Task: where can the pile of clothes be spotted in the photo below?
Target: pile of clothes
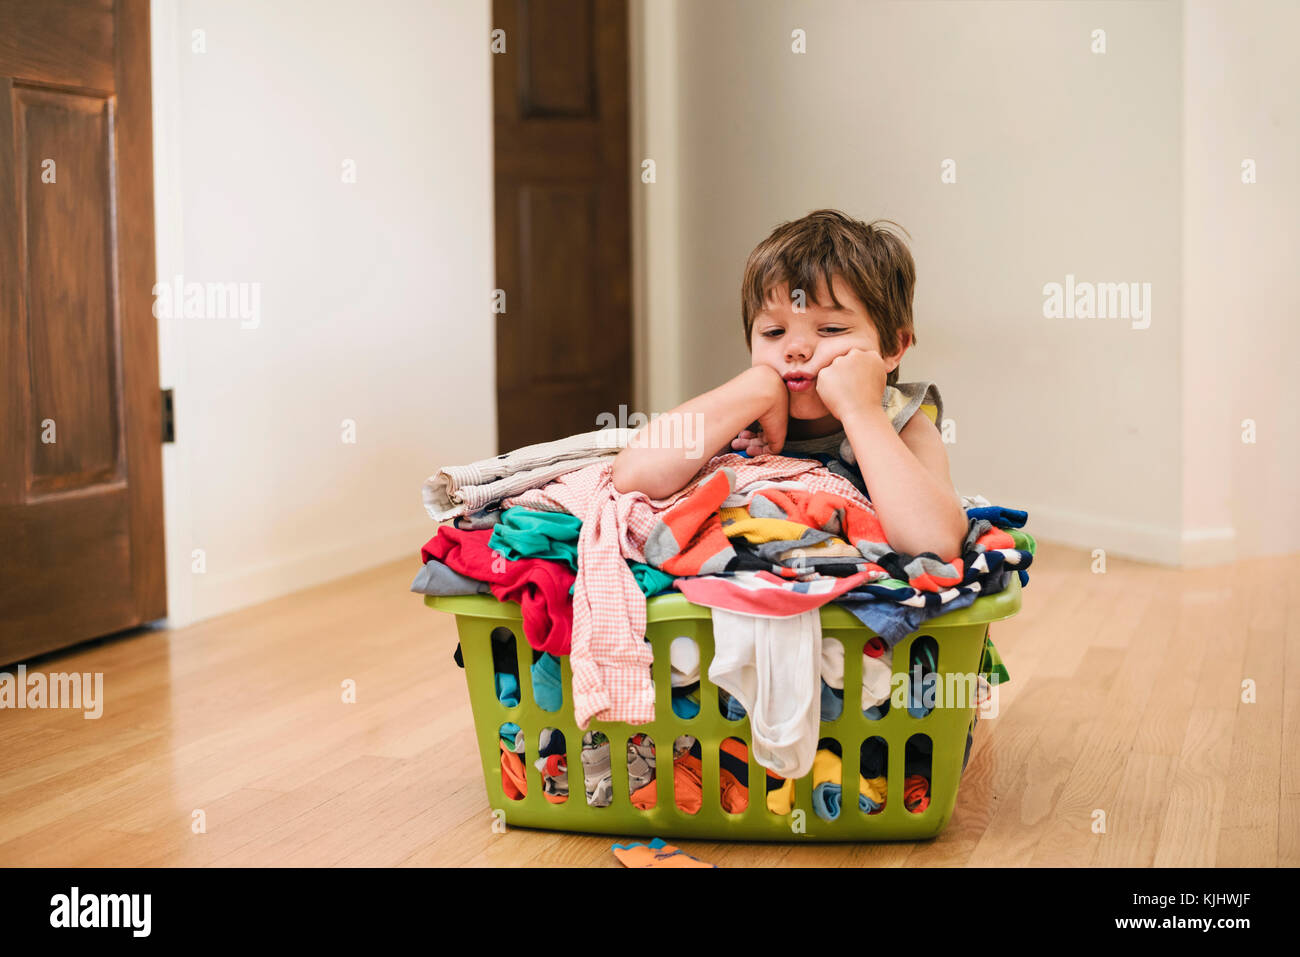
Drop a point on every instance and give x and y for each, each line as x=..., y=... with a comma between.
x=763, y=542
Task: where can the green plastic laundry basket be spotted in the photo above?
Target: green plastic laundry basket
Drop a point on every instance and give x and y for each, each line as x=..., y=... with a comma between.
x=959, y=636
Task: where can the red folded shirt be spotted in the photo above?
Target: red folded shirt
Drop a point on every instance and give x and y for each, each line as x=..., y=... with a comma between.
x=541, y=586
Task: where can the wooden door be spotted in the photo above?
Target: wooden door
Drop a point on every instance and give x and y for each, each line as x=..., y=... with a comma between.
x=81, y=534
x=563, y=234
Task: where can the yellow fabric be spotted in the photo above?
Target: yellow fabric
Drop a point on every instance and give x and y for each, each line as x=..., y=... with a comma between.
x=874, y=788
x=826, y=768
x=759, y=530
x=781, y=800
x=932, y=411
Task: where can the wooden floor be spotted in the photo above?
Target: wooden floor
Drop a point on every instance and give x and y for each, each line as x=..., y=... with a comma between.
x=1126, y=698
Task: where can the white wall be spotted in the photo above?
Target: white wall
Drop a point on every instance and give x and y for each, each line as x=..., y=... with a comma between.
x=374, y=294
x=1068, y=162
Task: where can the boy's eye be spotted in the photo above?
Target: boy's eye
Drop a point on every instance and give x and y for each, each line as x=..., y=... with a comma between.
x=772, y=334
x=833, y=329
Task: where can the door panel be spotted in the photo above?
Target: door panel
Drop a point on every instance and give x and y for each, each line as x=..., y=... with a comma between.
x=70, y=320
x=81, y=538
x=65, y=43
x=555, y=337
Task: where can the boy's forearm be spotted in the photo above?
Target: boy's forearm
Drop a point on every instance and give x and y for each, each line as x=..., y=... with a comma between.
x=673, y=447
x=917, y=512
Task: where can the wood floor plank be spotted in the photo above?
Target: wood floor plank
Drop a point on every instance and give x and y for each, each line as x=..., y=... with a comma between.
x=1189, y=834
x=1135, y=814
x=1252, y=800
x=1103, y=766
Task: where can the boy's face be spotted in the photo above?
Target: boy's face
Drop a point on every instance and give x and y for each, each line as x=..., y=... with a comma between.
x=800, y=344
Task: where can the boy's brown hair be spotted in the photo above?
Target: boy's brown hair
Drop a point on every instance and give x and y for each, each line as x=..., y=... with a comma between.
x=874, y=262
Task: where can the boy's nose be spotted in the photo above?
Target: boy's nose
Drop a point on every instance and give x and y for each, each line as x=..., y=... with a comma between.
x=796, y=350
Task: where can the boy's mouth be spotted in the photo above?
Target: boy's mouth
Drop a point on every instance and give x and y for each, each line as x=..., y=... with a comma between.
x=798, y=381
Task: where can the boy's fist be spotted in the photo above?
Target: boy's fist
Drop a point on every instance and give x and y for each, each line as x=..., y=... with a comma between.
x=854, y=380
x=766, y=435
x=752, y=442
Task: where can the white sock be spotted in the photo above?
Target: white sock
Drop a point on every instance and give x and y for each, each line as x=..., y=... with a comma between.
x=732, y=667
x=684, y=656
x=833, y=663
x=773, y=667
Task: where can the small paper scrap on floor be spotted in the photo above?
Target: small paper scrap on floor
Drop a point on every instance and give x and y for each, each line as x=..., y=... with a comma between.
x=655, y=854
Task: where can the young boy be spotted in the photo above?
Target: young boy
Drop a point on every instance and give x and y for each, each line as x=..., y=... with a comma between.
x=826, y=303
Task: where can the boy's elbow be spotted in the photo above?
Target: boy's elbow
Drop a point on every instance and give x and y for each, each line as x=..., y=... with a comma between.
x=631, y=475
x=945, y=544
x=628, y=476
x=947, y=552
x=956, y=538
x=622, y=475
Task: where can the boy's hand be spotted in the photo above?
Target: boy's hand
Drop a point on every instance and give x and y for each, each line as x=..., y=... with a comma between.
x=661, y=465
x=752, y=442
x=767, y=435
x=855, y=380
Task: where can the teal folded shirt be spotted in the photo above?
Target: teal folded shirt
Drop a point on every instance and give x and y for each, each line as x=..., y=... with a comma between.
x=524, y=533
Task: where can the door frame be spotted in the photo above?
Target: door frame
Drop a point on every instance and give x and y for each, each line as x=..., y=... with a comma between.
x=654, y=118
x=169, y=243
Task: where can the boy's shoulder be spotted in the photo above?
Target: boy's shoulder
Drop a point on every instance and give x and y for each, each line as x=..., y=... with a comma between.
x=904, y=399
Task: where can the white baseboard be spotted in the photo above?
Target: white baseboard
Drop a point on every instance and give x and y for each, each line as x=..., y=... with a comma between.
x=213, y=594
x=1145, y=543
x=1209, y=546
